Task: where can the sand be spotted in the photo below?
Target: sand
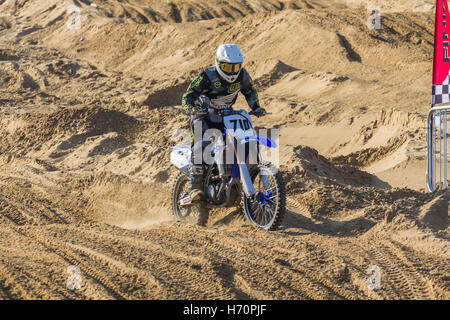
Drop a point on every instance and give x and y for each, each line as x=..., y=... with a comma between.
x=84, y=161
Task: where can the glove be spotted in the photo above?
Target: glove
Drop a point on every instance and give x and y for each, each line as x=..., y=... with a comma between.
x=199, y=110
x=259, y=112
x=201, y=106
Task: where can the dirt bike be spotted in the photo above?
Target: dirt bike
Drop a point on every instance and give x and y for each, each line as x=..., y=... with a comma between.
x=257, y=184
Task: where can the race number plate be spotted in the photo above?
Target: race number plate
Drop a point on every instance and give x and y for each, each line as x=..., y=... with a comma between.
x=239, y=125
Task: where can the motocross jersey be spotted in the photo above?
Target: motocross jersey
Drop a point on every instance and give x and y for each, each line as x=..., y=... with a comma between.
x=221, y=93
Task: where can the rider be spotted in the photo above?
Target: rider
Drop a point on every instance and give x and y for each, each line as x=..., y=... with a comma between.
x=221, y=84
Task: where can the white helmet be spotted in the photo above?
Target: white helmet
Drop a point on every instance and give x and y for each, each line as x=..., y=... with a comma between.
x=229, y=60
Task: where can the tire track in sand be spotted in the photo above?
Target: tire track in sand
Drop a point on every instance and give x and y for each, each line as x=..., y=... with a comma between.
x=166, y=254
x=406, y=280
x=294, y=204
x=297, y=268
x=295, y=278
x=43, y=275
x=26, y=207
x=248, y=273
x=210, y=265
x=424, y=287
x=438, y=288
x=61, y=249
x=175, y=272
x=10, y=286
x=140, y=278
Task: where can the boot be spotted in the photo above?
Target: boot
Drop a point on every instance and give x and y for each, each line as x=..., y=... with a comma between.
x=196, y=185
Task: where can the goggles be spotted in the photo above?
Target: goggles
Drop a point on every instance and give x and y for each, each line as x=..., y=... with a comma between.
x=230, y=68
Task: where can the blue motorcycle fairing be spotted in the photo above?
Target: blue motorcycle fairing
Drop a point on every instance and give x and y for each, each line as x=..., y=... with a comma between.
x=235, y=173
x=261, y=139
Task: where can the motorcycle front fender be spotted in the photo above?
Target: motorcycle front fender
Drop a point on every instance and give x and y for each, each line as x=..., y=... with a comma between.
x=261, y=139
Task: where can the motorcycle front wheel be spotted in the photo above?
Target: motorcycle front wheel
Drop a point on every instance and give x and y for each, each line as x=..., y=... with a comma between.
x=195, y=214
x=267, y=208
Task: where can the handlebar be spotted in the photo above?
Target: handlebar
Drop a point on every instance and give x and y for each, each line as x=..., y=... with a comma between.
x=227, y=112
x=263, y=114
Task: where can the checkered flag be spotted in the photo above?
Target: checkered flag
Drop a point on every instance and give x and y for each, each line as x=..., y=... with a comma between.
x=441, y=92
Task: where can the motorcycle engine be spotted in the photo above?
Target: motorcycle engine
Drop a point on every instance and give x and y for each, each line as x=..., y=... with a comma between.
x=213, y=190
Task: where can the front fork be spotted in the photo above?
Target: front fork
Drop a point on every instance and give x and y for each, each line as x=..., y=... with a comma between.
x=247, y=184
x=244, y=172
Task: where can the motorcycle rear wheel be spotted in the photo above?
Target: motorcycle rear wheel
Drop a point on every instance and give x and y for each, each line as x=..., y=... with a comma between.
x=195, y=214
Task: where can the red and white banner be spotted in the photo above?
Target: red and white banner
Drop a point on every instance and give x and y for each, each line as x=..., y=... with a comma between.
x=441, y=61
